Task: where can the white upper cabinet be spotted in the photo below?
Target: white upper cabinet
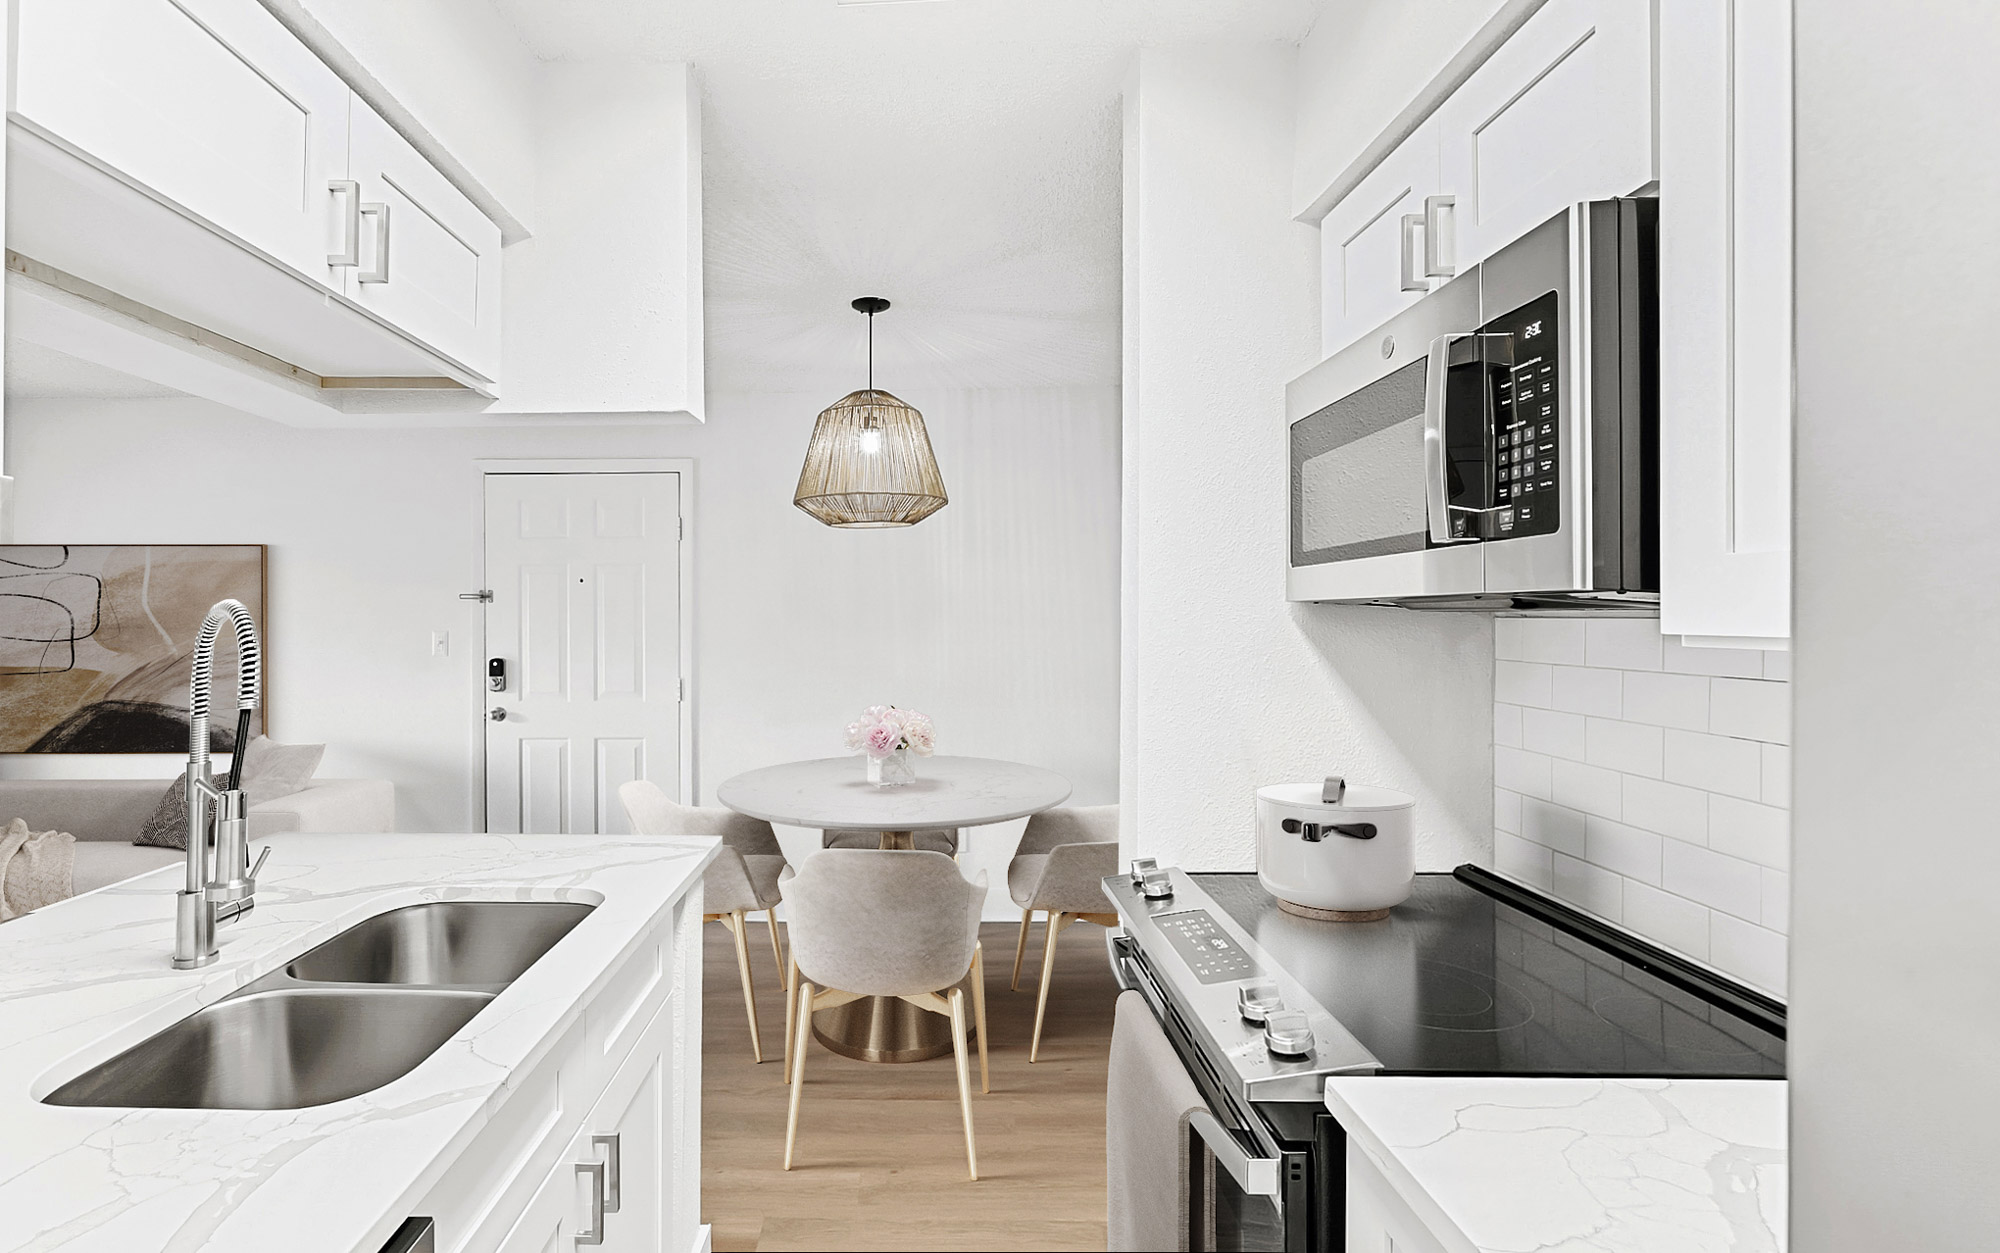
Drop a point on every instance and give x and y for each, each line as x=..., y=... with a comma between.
x=208, y=104
x=428, y=260
x=1561, y=112
x=1726, y=319
x=1372, y=244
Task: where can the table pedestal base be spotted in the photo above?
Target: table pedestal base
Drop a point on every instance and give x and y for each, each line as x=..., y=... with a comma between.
x=885, y=1029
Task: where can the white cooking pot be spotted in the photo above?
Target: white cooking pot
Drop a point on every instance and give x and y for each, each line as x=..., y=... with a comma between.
x=1348, y=860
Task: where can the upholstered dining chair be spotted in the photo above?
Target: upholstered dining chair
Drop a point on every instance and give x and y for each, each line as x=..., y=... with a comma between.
x=743, y=877
x=934, y=840
x=1059, y=868
x=884, y=922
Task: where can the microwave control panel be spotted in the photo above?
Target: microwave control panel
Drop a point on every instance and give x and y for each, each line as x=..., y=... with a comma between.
x=1525, y=409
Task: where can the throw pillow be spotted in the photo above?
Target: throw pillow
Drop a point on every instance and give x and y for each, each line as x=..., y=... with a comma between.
x=36, y=868
x=270, y=771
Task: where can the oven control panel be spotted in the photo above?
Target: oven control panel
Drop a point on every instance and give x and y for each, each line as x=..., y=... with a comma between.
x=1208, y=950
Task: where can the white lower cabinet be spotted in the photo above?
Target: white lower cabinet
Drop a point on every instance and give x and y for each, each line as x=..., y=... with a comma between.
x=1378, y=1220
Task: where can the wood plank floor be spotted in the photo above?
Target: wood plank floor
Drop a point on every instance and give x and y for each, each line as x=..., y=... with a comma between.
x=880, y=1162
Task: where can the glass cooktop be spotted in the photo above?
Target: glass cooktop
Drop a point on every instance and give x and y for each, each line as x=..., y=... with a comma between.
x=1456, y=981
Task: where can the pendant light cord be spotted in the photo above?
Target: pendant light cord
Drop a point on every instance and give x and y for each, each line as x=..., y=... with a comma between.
x=871, y=352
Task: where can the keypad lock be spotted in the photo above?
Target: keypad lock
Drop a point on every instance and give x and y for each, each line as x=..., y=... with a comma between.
x=496, y=675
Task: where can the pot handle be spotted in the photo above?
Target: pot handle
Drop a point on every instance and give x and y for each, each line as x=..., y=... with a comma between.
x=1333, y=790
x=1314, y=832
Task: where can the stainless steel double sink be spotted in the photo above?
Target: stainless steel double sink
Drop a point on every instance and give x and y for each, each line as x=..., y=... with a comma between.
x=362, y=1009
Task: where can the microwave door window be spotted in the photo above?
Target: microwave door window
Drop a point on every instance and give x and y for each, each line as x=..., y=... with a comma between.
x=1357, y=469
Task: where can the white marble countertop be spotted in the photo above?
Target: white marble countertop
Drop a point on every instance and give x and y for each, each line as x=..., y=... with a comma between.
x=833, y=793
x=1567, y=1165
x=83, y=980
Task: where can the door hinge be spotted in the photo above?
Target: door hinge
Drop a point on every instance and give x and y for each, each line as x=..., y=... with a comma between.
x=682, y=531
x=683, y=690
x=483, y=596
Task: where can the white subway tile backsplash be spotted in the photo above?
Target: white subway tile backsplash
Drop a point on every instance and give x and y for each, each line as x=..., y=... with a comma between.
x=1667, y=808
x=1777, y=901
x=1719, y=882
x=1625, y=850
x=1715, y=763
x=1667, y=919
x=1740, y=663
x=1649, y=783
x=1777, y=775
x=1530, y=863
x=1553, y=826
x=1555, y=640
x=1521, y=771
x=1598, y=693
x=1624, y=746
x=1667, y=700
x=1751, y=709
x=1594, y=888
x=1557, y=734
x=1759, y=833
x=1522, y=683
x=1751, y=953
x=1592, y=789
x=1623, y=644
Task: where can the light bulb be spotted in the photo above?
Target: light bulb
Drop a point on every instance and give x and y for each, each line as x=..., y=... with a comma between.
x=871, y=440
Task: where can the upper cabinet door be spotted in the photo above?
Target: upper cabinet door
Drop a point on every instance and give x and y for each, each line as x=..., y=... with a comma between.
x=1726, y=318
x=1372, y=244
x=429, y=259
x=210, y=105
x=1561, y=112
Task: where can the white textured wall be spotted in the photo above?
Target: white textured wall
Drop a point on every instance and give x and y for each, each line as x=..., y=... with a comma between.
x=1227, y=686
x=998, y=615
x=1896, y=591
x=1648, y=783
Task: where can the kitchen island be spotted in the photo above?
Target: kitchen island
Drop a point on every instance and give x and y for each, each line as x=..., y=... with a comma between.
x=1566, y=1165
x=591, y=1055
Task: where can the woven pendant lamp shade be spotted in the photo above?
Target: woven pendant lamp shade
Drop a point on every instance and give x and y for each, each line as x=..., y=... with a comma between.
x=870, y=462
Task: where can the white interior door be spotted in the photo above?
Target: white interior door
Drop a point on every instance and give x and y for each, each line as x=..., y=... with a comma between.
x=585, y=621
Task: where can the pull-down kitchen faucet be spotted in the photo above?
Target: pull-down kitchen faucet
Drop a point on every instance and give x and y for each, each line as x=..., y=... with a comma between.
x=205, y=902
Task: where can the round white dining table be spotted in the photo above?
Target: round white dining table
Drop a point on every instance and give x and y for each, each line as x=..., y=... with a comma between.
x=833, y=794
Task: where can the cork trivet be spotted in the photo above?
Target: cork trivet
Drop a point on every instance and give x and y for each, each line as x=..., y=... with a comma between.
x=1333, y=915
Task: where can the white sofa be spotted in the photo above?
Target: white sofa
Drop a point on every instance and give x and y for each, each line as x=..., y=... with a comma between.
x=104, y=815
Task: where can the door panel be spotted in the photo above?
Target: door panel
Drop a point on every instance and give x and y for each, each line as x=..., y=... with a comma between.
x=209, y=104
x=1361, y=243
x=587, y=619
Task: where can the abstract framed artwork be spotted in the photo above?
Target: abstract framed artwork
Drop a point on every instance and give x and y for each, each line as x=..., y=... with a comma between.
x=96, y=641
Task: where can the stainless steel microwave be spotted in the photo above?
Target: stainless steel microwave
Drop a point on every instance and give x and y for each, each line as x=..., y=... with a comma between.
x=1496, y=444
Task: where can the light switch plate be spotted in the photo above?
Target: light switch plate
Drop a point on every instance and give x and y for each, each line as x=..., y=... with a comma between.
x=440, y=643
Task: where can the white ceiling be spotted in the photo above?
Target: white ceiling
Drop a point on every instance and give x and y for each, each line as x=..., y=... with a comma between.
x=959, y=157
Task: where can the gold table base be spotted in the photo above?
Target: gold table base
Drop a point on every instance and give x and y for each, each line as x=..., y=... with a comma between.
x=885, y=1028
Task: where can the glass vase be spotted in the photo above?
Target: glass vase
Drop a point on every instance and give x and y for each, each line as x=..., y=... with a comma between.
x=892, y=771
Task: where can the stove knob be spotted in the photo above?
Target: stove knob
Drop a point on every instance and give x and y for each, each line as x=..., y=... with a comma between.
x=1288, y=1033
x=1258, y=1001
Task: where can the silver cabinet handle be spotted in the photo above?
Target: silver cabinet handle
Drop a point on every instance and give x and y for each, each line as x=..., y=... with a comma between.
x=593, y=1234
x=380, y=274
x=610, y=1146
x=1440, y=236
x=1412, y=281
x=350, y=228
x=1257, y=1176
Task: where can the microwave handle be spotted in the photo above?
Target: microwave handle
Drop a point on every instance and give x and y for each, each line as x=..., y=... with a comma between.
x=1437, y=502
x=1257, y=1176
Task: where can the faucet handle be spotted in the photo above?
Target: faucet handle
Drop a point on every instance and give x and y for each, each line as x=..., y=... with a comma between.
x=261, y=859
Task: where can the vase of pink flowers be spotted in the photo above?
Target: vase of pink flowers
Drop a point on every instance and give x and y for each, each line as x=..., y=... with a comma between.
x=887, y=738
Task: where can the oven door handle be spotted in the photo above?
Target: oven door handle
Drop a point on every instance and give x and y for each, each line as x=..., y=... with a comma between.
x=1257, y=1176
x=1437, y=500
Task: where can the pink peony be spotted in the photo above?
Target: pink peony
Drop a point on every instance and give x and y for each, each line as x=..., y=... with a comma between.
x=882, y=739
x=856, y=732
x=920, y=734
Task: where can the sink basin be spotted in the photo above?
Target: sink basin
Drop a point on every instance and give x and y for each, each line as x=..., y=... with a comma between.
x=443, y=943
x=284, y=1049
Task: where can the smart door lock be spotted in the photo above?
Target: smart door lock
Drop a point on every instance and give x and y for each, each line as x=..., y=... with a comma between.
x=496, y=675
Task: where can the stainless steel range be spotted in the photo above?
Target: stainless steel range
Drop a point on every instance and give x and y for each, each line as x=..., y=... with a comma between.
x=1473, y=975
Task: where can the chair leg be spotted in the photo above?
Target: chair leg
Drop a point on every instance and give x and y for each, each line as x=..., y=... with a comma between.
x=790, y=976
x=1054, y=928
x=798, y=1068
x=957, y=1000
x=777, y=958
x=979, y=1012
x=1021, y=948
x=738, y=924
